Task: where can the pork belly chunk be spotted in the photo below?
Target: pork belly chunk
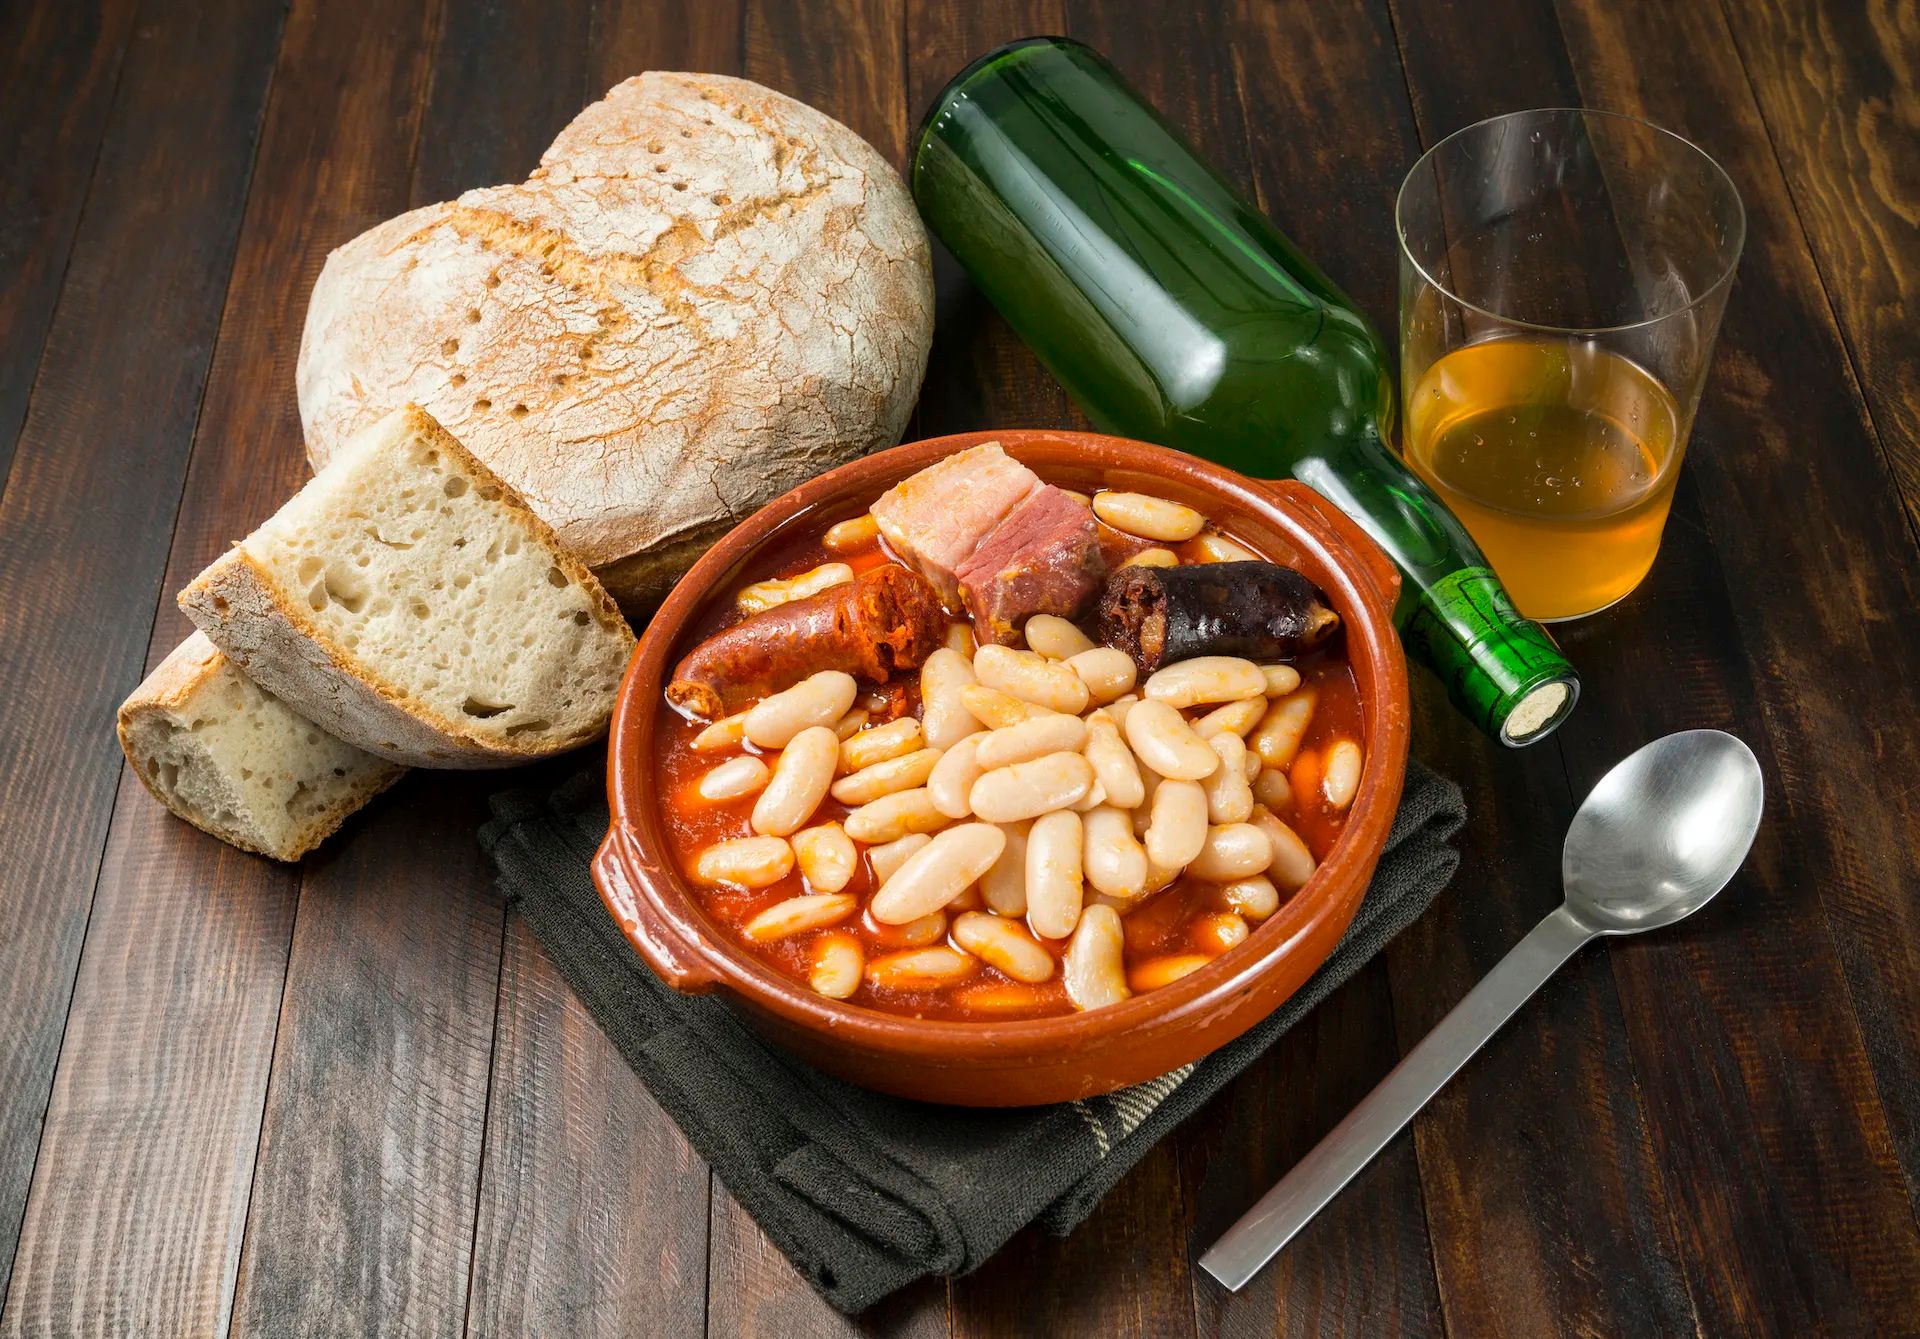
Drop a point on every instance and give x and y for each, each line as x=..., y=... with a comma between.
x=939, y=517
x=1044, y=558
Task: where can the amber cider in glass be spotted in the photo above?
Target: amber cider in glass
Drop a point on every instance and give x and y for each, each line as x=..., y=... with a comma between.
x=1559, y=455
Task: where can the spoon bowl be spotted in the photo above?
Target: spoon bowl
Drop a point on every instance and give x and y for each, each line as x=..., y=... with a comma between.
x=1662, y=833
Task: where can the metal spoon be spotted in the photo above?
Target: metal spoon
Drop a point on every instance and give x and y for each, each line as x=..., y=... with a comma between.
x=1658, y=837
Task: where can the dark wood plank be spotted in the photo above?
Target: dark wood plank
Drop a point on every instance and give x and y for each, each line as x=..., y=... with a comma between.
x=593, y=1209
x=366, y=1187
x=59, y=67
x=1741, y=1028
x=846, y=58
x=1838, y=85
x=979, y=374
x=84, y=527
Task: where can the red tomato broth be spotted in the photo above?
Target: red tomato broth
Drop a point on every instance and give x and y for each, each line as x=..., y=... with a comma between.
x=1158, y=925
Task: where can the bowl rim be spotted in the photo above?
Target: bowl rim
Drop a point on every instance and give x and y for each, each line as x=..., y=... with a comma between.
x=1333, y=892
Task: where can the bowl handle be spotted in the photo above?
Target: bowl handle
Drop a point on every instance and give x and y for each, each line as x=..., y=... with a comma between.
x=627, y=881
x=1334, y=523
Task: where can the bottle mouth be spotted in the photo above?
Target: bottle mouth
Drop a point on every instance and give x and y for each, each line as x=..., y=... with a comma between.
x=1539, y=711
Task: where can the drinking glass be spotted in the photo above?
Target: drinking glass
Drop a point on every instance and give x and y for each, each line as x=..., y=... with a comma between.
x=1562, y=277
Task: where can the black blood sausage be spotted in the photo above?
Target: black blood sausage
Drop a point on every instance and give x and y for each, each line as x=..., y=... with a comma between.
x=1262, y=611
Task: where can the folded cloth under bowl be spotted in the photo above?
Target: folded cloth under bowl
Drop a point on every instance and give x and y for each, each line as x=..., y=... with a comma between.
x=863, y=1192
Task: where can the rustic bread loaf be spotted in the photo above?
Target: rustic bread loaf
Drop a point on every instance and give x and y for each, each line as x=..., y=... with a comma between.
x=409, y=602
x=238, y=763
x=705, y=294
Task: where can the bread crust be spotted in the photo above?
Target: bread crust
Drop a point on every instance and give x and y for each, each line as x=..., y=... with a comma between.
x=706, y=293
x=279, y=645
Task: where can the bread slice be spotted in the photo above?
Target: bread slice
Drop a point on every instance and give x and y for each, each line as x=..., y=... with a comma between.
x=408, y=601
x=240, y=764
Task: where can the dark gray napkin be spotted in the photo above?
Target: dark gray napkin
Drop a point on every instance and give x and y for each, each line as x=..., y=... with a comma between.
x=866, y=1193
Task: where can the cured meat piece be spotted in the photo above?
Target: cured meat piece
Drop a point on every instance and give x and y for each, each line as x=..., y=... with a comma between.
x=1262, y=611
x=1044, y=558
x=937, y=518
x=883, y=621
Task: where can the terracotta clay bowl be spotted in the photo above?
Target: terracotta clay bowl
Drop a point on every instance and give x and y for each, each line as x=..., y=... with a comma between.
x=1030, y=1061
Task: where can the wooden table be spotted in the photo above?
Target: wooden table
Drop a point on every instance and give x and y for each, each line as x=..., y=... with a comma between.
x=353, y=1098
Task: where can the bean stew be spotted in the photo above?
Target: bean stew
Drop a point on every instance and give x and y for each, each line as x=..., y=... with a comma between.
x=995, y=749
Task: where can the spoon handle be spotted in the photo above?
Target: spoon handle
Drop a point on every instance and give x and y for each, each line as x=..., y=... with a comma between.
x=1422, y=1072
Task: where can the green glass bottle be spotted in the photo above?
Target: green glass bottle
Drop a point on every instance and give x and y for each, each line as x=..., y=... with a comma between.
x=1174, y=312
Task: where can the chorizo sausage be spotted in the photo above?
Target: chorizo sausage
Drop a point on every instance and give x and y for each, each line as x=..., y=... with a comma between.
x=884, y=621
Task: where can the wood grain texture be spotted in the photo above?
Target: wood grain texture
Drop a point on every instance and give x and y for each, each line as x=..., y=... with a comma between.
x=84, y=526
x=59, y=68
x=846, y=58
x=1710, y=1009
x=1839, y=87
x=593, y=1209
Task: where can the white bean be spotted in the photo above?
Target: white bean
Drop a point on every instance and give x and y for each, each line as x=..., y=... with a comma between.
x=1004, y=944
x=892, y=817
x=1095, y=967
x=725, y=733
x=1216, y=548
x=801, y=775
x=1154, y=557
x=1250, y=765
x=827, y=857
x=1119, y=707
x=1107, y=672
x=1218, y=932
x=884, y=778
x=944, y=720
x=1177, y=828
x=995, y=709
x=1281, y=680
x=951, y=780
x=1341, y=780
x=937, y=873
x=819, y=699
x=1165, y=970
x=763, y=595
x=1004, y=887
x=1055, y=638
x=744, y=862
x=1115, y=863
x=1147, y=516
x=733, y=778
x=960, y=638
x=1254, y=898
x=1277, y=738
x=1232, y=851
x=1234, y=718
x=927, y=930
x=1029, y=789
x=854, y=533
x=889, y=856
x=1229, y=796
x=1054, y=874
x=1163, y=741
x=1114, y=768
x=797, y=915
x=1272, y=788
x=1031, y=678
x=1032, y=738
x=1206, y=679
x=1293, y=864
x=895, y=739
x=838, y=964
x=850, y=724
x=921, y=969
